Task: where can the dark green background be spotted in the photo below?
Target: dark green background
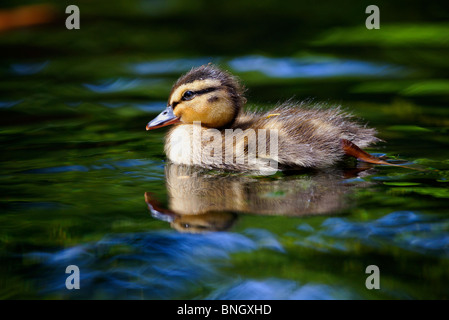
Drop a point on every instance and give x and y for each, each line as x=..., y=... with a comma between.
x=76, y=159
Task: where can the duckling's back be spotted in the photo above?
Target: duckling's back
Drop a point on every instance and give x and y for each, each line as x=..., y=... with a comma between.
x=309, y=135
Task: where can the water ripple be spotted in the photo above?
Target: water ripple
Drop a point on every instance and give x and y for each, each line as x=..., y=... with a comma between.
x=159, y=265
x=168, y=66
x=312, y=67
x=128, y=163
x=9, y=104
x=277, y=289
x=28, y=68
x=405, y=229
x=120, y=84
x=59, y=169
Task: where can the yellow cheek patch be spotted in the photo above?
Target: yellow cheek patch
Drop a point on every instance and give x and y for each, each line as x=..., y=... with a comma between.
x=178, y=111
x=211, y=114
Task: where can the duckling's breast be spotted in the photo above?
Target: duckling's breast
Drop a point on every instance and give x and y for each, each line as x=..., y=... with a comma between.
x=233, y=149
x=180, y=146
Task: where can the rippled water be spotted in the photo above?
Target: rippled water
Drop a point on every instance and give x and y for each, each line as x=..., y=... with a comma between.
x=84, y=184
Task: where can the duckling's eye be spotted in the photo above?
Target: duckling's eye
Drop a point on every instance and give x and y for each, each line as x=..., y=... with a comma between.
x=188, y=95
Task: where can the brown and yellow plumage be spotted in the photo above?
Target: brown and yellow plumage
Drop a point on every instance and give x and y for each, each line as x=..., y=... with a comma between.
x=309, y=135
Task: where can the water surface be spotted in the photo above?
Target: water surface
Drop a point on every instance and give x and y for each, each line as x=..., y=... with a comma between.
x=83, y=183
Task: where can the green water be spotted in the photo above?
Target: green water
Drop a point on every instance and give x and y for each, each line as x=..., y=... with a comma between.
x=76, y=159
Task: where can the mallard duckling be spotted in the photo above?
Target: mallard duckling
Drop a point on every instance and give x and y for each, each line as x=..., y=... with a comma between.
x=208, y=99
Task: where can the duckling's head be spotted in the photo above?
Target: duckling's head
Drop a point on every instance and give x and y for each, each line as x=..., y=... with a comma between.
x=207, y=94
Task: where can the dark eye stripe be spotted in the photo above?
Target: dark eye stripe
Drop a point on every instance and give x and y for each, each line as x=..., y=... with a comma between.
x=197, y=93
x=207, y=90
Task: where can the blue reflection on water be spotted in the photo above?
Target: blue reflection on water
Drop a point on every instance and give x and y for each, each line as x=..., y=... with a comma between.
x=405, y=229
x=59, y=169
x=315, y=67
x=9, y=104
x=265, y=239
x=170, y=265
x=169, y=66
x=283, y=67
x=28, y=68
x=157, y=106
x=152, y=106
x=167, y=265
x=279, y=289
x=120, y=84
x=110, y=165
x=158, y=264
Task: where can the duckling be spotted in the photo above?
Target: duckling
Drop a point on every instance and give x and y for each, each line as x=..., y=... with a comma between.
x=307, y=135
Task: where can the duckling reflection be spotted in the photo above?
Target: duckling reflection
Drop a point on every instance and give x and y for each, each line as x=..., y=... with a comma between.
x=201, y=200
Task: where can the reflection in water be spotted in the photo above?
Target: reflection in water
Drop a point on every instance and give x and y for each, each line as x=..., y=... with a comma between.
x=312, y=67
x=201, y=200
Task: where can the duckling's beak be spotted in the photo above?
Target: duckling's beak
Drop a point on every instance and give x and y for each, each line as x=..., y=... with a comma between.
x=165, y=118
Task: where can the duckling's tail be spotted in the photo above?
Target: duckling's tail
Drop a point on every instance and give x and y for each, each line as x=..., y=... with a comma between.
x=353, y=150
